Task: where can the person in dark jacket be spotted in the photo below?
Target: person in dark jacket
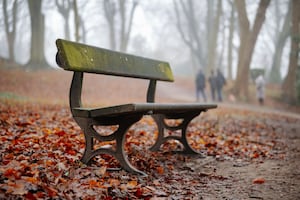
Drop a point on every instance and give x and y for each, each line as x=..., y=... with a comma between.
x=213, y=84
x=220, y=82
x=200, y=86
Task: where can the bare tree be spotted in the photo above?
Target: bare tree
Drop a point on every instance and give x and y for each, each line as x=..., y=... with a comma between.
x=289, y=85
x=201, y=40
x=189, y=30
x=248, y=39
x=212, y=33
x=76, y=21
x=280, y=40
x=37, y=19
x=230, y=41
x=64, y=8
x=111, y=10
x=10, y=23
x=222, y=48
x=83, y=29
x=126, y=24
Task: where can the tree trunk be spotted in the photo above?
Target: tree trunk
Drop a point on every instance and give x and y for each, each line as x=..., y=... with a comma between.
x=10, y=28
x=64, y=8
x=125, y=23
x=230, y=43
x=76, y=21
x=213, y=38
x=220, y=58
x=289, y=85
x=248, y=39
x=190, y=36
x=274, y=76
x=37, y=57
x=127, y=29
x=123, y=18
x=110, y=12
x=84, y=31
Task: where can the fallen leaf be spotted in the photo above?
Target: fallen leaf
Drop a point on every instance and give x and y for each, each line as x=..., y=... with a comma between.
x=114, y=182
x=32, y=180
x=19, y=188
x=131, y=184
x=139, y=192
x=93, y=183
x=156, y=182
x=11, y=173
x=160, y=169
x=258, y=181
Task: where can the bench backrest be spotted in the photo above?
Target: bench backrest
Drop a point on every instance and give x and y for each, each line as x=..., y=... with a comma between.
x=84, y=58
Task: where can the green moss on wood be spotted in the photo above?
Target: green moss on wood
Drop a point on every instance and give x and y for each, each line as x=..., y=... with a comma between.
x=80, y=57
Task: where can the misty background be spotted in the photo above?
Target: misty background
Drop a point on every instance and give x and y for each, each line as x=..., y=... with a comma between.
x=242, y=38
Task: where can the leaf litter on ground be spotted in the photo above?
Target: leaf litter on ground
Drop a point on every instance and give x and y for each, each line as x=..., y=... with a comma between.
x=41, y=147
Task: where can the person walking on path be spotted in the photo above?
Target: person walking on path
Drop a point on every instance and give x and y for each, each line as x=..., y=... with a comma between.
x=200, y=86
x=220, y=82
x=260, y=89
x=213, y=84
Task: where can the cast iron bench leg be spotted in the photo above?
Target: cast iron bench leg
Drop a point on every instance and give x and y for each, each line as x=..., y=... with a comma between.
x=90, y=134
x=162, y=126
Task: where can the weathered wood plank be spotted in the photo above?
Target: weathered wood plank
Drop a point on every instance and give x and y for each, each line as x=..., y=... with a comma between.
x=80, y=57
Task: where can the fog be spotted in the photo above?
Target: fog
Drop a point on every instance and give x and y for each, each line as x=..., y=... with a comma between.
x=154, y=33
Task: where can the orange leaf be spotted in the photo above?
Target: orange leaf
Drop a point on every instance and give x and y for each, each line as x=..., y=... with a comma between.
x=255, y=155
x=258, y=181
x=60, y=133
x=49, y=162
x=132, y=184
x=51, y=191
x=114, y=182
x=93, y=183
x=31, y=179
x=11, y=173
x=71, y=152
x=201, y=141
x=160, y=170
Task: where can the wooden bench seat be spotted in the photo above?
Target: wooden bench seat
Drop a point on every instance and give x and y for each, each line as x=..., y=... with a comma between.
x=80, y=58
x=144, y=108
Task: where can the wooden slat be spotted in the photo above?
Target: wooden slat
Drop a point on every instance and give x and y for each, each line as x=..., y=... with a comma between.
x=146, y=108
x=80, y=57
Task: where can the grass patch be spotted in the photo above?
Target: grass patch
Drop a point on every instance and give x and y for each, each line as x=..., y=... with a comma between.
x=12, y=96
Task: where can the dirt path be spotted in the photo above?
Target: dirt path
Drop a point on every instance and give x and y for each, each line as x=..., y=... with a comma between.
x=186, y=93
x=281, y=176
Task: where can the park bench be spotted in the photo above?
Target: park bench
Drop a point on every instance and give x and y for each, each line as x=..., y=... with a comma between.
x=81, y=58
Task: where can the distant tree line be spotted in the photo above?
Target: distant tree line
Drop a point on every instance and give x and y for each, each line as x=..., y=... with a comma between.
x=119, y=29
x=220, y=32
x=204, y=40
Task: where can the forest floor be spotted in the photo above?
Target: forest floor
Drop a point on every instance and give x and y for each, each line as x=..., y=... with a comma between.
x=250, y=151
